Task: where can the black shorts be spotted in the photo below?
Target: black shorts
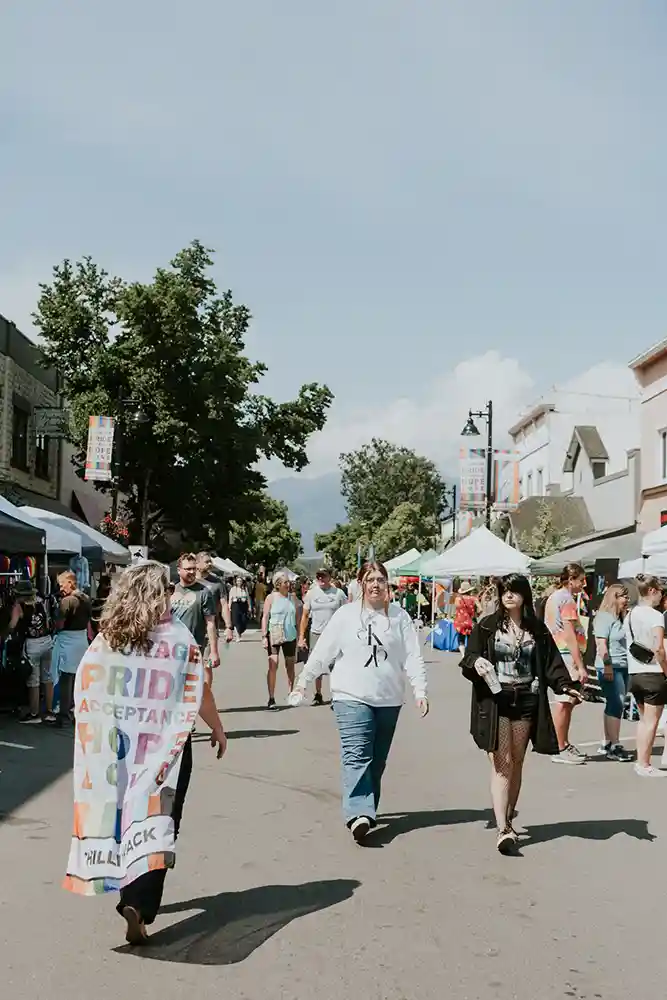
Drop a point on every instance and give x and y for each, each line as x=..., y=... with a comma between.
x=288, y=648
x=649, y=689
x=517, y=706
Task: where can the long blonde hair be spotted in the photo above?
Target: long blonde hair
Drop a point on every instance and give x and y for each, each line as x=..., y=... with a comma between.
x=135, y=606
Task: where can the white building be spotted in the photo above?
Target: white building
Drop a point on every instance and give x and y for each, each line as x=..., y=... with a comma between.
x=606, y=399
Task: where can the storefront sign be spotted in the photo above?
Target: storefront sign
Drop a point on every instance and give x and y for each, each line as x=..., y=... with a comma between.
x=51, y=422
x=100, y=449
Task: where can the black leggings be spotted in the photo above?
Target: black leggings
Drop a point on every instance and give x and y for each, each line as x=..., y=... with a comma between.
x=145, y=893
x=66, y=692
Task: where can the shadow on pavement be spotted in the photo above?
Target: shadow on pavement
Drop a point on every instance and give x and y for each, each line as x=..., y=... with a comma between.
x=255, y=708
x=239, y=734
x=25, y=773
x=401, y=823
x=232, y=925
x=588, y=829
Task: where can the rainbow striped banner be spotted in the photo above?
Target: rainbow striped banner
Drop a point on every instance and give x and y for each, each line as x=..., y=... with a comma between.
x=99, y=455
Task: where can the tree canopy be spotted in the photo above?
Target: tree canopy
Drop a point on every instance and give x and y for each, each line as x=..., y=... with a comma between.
x=380, y=476
x=266, y=539
x=173, y=348
x=407, y=527
x=545, y=537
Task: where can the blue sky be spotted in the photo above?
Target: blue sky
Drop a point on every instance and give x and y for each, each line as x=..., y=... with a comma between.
x=394, y=189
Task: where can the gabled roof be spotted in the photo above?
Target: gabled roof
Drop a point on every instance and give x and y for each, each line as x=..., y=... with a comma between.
x=587, y=439
x=527, y=418
x=650, y=355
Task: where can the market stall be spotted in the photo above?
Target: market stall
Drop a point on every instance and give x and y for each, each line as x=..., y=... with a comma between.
x=481, y=553
x=586, y=554
x=230, y=568
x=96, y=547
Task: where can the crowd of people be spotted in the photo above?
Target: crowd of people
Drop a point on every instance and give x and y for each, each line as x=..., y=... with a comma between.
x=525, y=664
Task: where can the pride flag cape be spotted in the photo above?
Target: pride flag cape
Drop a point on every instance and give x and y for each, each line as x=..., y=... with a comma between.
x=134, y=713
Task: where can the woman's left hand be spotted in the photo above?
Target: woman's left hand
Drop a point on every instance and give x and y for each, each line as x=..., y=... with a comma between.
x=219, y=740
x=422, y=705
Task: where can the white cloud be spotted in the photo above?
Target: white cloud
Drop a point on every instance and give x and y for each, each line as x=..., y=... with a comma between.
x=430, y=423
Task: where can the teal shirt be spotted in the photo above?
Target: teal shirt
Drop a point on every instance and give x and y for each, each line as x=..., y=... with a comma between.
x=283, y=612
x=607, y=626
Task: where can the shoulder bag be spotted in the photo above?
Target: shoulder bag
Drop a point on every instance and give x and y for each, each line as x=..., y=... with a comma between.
x=638, y=650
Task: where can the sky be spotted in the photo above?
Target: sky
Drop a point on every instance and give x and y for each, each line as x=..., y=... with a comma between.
x=423, y=204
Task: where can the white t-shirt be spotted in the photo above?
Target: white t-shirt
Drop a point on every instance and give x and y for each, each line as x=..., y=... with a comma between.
x=322, y=603
x=354, y=590
x=644, y=621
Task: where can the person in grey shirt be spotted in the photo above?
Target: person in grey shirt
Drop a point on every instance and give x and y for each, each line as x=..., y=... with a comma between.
x=319, y=606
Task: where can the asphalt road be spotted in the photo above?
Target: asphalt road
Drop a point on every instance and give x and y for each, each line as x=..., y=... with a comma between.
x=270, y=898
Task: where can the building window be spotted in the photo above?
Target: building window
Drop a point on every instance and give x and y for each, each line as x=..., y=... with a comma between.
x=20, y=425
x=663, y=454
x=42, y=458
x=529, y=485
x=600, y=469
x=540, y=483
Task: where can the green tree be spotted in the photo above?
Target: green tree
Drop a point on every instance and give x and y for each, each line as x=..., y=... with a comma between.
x=267, y=539
x=380, y=476
x=545, y=537
x=175, y=348
x=406, y=527
x=340, y=545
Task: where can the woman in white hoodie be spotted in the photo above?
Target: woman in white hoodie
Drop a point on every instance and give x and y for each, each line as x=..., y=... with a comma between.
x=373, y=646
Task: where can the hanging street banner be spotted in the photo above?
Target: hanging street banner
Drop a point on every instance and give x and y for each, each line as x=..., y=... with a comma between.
x=507, y=491
x=99, y=455
x=473, y=479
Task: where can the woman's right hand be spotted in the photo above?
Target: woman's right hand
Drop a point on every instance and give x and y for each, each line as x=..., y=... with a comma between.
x=265, y=642
x=608, y=672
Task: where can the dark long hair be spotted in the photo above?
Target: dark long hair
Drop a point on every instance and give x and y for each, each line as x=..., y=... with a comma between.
x=516, y=583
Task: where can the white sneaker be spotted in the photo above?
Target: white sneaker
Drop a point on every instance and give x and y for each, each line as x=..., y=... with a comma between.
x=648, y=771
x=570, y=755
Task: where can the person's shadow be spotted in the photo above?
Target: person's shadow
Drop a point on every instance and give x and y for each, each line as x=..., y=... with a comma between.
x=588, y=829
x=247, y=734
x=230, y=926
x=398, y=824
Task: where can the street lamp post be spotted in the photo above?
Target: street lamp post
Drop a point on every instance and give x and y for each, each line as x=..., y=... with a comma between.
x=470, y=430
x=451, y=505
x=137, y=417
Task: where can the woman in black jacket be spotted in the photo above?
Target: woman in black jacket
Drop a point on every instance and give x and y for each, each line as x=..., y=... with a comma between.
x=511, y=660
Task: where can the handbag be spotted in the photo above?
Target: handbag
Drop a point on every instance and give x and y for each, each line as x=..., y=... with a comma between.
x=277, y=633
x=638, y=650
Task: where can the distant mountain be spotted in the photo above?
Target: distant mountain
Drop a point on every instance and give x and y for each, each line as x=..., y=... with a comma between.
x=315, y=505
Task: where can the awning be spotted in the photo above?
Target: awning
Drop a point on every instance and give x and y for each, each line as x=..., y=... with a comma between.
x=621, y=547
x=229, y=567
x=93, y=508
x=21, y=497
x=95, y=546
x=57, y=539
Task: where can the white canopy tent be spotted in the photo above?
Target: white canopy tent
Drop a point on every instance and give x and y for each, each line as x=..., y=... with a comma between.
x=481, y=553
x=112, y=552
x=229, y=567
x=402, y=560
x=656, y=565
x=57, y=539
x=655, y=542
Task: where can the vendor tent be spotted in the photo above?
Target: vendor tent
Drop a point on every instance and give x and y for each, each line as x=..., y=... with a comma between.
x=95, y=546
x=480, y=553
x=229, y=567
x=655, y=542
x=57, y=539
x=415, y=566
x=656, y=565
x=391, y=565
x=17, y=537
x=621, y=547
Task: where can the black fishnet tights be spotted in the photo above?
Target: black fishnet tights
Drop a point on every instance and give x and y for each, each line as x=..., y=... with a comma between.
x=507, y=768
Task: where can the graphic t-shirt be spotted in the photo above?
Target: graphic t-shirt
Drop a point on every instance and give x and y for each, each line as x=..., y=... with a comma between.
x=643, y=621
x=36, y=617
x=561, y=607
x=192, y=606
x=514, y=657
x=321, y=603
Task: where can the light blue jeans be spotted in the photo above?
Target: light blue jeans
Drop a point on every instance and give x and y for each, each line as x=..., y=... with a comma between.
x=366, y=735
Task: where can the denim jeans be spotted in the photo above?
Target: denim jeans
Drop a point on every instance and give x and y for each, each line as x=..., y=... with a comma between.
x=614, y=691
x=366, y=734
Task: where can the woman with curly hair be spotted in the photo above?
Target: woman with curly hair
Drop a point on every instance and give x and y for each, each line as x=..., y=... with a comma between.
x=138, y=691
